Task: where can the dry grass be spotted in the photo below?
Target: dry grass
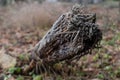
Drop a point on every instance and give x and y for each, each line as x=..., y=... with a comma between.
x=33, y=14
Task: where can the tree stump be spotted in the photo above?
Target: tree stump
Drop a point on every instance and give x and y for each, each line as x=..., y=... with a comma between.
x=72, y=36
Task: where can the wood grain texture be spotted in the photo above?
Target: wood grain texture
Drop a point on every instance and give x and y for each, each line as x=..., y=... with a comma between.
x=72, y=36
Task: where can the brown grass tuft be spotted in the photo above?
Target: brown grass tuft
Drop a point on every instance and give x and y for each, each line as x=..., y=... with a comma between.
x=33, y=14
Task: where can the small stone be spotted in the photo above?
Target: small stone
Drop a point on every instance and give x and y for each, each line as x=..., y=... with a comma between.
x=6, y=61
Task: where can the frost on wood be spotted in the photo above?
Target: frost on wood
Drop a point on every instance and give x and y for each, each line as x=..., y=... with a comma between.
x=73, y=35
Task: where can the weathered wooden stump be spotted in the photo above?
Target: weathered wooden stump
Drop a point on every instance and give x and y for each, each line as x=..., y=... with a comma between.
x=72, y=36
